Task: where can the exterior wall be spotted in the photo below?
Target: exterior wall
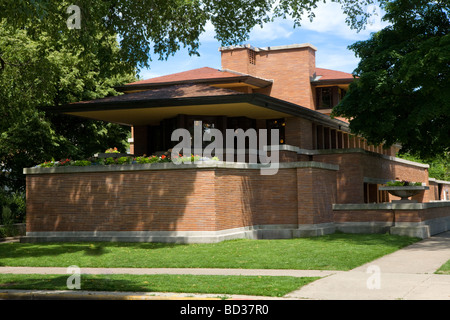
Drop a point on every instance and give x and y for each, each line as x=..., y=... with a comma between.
x=299, y=133
x=210, y=203
x=246, y=198
x=316, y=193
x=177, y=200
x=354, y=167
x=278, y=65
x=118, y=201
x=415, y=219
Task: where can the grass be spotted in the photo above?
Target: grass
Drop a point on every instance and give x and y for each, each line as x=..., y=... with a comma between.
x=245, y=285
x=444, y=269
x=330, y=252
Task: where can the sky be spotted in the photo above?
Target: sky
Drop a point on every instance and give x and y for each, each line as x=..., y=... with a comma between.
x=328, y=32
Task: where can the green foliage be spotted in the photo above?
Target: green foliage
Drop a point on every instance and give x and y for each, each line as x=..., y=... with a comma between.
x=38, y=70
x=403, y=183
x=81, y=163
x=402, y=94
x=439, y=166
x=12, y=207
x=161, y=26
x=143, y=159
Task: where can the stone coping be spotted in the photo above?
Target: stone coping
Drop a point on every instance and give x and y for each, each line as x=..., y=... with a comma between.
x=391, y=206
x=387, y=188
x=298, y=150
x=272, y=48
x=438, y=181
x=172, y=166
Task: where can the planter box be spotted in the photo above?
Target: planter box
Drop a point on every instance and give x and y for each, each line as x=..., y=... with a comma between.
x=404, y=192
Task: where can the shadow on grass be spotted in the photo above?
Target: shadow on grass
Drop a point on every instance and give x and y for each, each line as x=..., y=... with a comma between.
x=53, y=249
x=364, y=239
x=252, y=285
x=60, y=282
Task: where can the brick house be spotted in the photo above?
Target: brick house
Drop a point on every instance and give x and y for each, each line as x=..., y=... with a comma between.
x=328, y=179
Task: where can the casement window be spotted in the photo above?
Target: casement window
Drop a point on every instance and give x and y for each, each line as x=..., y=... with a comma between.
x=328, y=97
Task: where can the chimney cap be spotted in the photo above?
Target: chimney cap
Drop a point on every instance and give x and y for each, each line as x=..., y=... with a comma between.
x=258, y=49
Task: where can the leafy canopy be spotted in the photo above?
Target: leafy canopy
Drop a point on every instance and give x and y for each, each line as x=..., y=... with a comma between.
x=402, y=94
x=38, y=70
x=163, y=26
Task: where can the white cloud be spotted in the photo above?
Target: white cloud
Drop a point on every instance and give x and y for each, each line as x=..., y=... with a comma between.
x=272, y=31
x=340, y=59
x=209, y=33
x=330, y=18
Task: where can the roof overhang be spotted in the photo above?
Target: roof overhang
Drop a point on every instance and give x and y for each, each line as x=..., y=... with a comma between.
x=345, y=83
x=225, y=82
x=152, y=111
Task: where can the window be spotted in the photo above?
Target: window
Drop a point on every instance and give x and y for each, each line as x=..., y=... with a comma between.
x=279, y=124
x=324, y=98
x=329, y=97
x=341, y=93
x=372, y=194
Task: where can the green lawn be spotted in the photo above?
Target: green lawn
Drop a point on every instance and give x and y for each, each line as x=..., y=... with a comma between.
x=330, y=252
x=221, y=285
x=445, y=268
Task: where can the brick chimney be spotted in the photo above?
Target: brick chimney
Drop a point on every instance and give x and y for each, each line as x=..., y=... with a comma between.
x=291, y=68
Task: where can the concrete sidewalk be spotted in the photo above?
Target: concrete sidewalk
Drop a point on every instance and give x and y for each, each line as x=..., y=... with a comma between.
x=405, y=274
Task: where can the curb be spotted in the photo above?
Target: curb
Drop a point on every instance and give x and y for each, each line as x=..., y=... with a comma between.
x=92, y=295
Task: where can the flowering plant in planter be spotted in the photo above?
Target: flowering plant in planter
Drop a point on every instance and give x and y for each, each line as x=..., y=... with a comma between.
x=192, y=158
x=125, y=160
x=402, y=183
x=112, y=150
x=404, y=189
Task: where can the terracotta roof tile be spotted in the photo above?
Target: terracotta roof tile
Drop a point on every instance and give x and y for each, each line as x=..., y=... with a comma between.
x=327, y=74
x=195, y=74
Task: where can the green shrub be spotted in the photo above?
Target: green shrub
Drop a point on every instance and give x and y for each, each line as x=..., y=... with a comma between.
x=14, y=207
x=124, y=160
x=403, y=183
x=80, y=163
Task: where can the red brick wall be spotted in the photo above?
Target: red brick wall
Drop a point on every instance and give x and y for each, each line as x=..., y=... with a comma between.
x=121, y=201
x=353, y=167
x=178, y=200
x=246, y=198
x=299, y=133
x=363, y=216
x=316, y=194
x=388, y=215
x=290, y=70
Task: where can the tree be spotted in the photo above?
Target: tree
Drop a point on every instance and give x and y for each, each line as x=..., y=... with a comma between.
x=402, y=93
x=38, y=70
x=163, y=26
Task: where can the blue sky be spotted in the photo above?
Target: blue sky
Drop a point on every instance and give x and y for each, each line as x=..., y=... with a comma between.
x=328, y=32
